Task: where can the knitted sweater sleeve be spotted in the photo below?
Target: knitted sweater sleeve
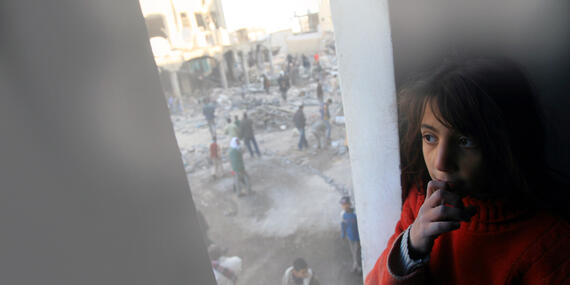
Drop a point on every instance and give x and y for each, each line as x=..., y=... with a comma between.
x=381, y=273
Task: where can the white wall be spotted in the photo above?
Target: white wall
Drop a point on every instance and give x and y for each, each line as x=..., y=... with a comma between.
x=93, y=190
x=308, y=44
x=325, y=18
x=364, y=51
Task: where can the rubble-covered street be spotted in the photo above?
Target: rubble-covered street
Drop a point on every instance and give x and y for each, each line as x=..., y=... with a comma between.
x=294, y=210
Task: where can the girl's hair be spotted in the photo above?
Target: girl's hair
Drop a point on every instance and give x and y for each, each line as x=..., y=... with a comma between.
x=490, y=100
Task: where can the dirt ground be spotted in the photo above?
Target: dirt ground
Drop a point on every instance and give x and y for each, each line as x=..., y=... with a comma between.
x=294, y=210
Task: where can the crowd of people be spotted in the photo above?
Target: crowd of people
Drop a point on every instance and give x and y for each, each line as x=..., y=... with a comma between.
x=238, y=131
x=241, y=132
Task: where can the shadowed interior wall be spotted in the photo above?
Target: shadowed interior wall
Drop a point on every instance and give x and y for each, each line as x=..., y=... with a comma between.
x=535, y=33
x=92, y=185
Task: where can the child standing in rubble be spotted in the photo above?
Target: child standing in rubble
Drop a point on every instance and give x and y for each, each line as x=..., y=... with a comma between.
x=232, y=129
x=349, y=232
x=215, y=157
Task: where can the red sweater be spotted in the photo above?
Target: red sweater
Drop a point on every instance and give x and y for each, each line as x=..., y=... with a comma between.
x=500, y=245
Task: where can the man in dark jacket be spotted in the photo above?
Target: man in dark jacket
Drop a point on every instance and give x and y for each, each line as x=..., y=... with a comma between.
x=320, y=94
x=266, y=83
x=283, y=85
x=209, y=111
x=306, y=63
x=300, y=122
x=246, y=131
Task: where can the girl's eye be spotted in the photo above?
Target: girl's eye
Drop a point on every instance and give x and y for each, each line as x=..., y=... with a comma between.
x=429, y=138
x=466, y=142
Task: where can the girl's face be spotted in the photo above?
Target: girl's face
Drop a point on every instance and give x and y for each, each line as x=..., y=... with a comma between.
x=450, y=156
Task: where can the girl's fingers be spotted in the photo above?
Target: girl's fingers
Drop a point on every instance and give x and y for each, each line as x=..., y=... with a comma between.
x=442, y=197
x=446, y=213
x=433, y=186
x=437, y=228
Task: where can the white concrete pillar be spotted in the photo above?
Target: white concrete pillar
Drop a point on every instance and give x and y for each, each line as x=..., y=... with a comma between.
x=222, y=69
x=364, y=51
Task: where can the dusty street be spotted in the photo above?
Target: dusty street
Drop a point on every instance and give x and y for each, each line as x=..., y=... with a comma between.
x=294, y=210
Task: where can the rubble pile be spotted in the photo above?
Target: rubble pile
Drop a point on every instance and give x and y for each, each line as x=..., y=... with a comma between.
x=269, y=117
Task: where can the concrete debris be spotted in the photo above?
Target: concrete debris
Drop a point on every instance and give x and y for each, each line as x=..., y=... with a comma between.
x=337, y=143
x=269, y=117
x=339, y=120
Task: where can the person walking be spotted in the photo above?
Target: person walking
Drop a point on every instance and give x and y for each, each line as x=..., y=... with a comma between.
x=240, y=175
x=266, y=83
x=306, y=63
x=246, y=132
x=215, y=157
x=326, y=116
x=320, y=94
x=209, y=111
x=300, y=121
x=349, y=232
x=283, y=85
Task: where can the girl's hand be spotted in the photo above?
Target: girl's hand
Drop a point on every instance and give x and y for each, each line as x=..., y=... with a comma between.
x=441, y=212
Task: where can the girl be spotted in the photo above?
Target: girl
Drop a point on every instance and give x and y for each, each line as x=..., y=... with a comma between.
x=475, y=190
